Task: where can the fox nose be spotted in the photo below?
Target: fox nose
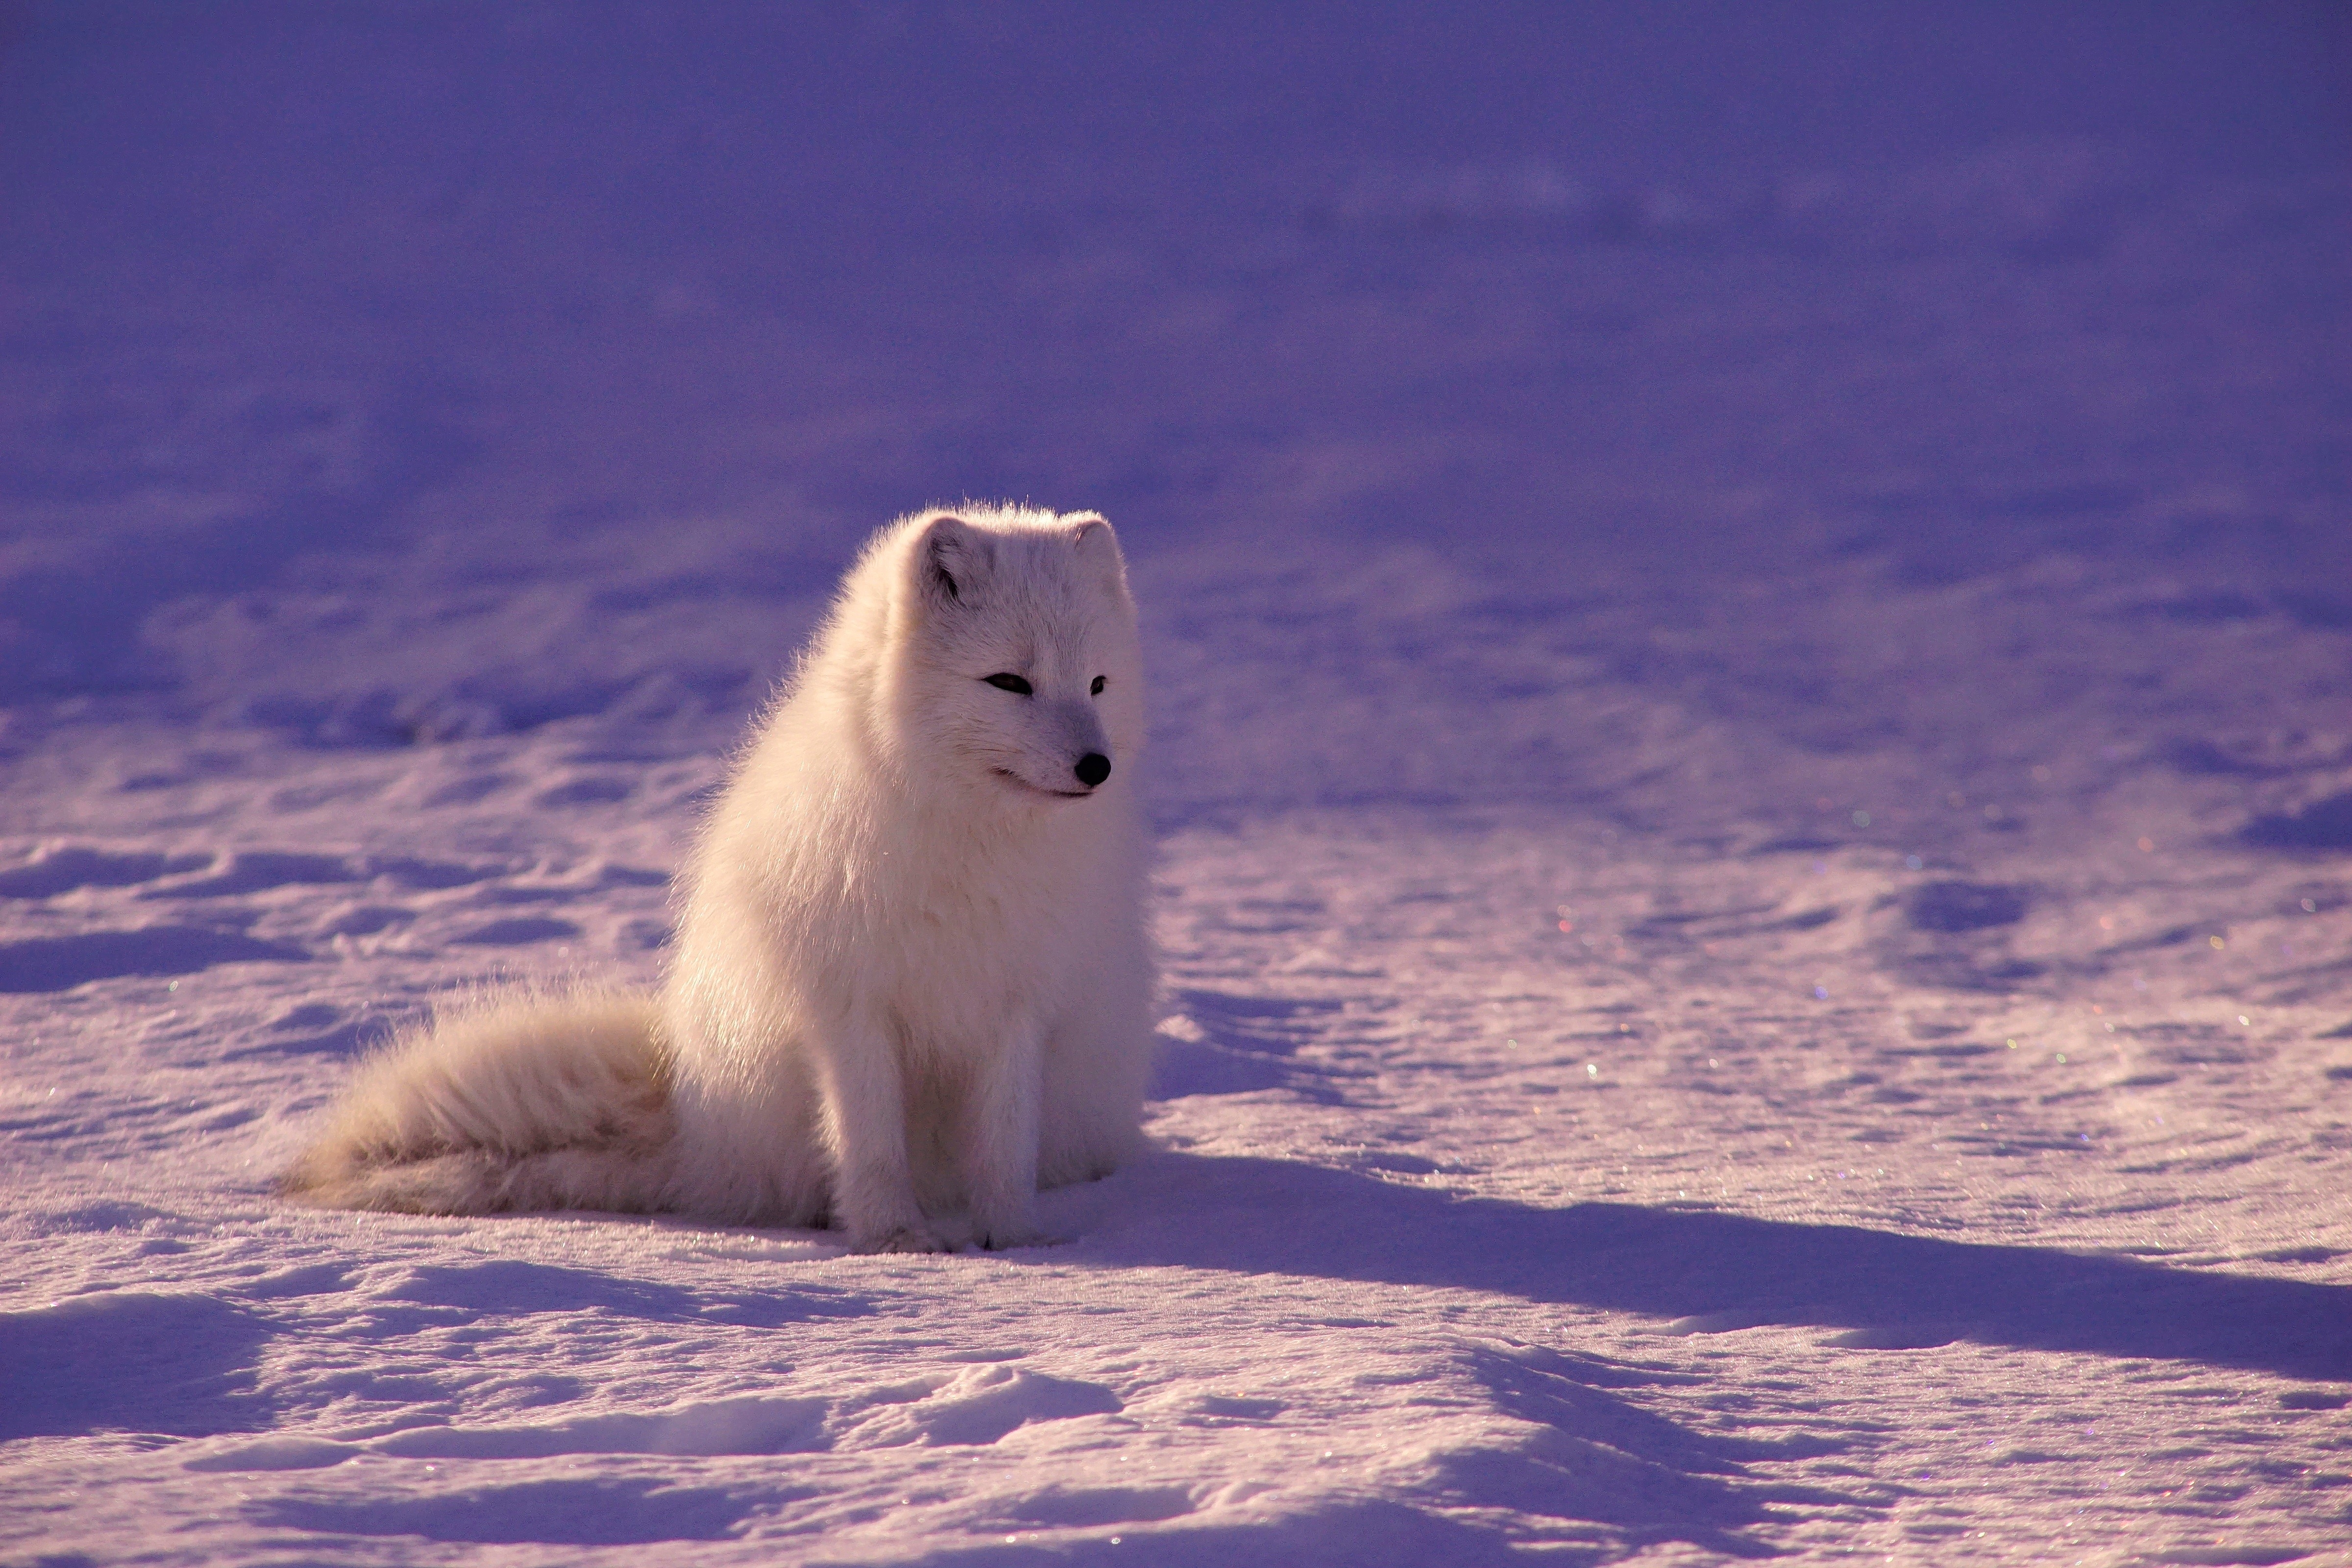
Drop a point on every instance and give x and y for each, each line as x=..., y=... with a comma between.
x=1093, y=768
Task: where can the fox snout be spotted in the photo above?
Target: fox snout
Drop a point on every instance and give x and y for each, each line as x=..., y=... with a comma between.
x=1081, y=731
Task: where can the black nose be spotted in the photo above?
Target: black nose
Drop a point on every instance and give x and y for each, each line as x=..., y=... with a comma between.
x=1093, y=768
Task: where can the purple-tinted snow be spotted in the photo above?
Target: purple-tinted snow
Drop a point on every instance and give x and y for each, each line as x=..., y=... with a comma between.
x=1750, y=612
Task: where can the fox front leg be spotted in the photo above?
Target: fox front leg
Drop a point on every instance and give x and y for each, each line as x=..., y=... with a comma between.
x=866, y=1125
x=999, y=1137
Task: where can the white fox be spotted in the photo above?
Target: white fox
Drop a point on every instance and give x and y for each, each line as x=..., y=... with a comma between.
x=912, y=980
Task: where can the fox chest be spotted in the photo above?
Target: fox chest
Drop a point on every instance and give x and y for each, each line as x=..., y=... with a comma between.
x=956, y=966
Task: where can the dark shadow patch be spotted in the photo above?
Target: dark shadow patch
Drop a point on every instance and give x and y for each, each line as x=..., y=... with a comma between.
x=1252, y=1215
x=1247, y=1043
x=310, y=1279
x=1797, y=844
x=1951, y=1051
x=366, y=919
x=518, y=931
x=1965, y=971
x=351, y=1039
x=2314, y=1399
x=1201, y=1067
x=649, y=934
x=1676, y=922
x=62, y=963
x=2172, y=936
x=526, y=894
x=1952, y=907
x=1690, y=929
x=2204, y=759
x=470, y=790
x=1080, y=1508
x=62, y=870
x=256, y=871
x=1954, y=936
x=180, y=1366
x=432, y=875
x=586, y=792
x=2299, y=1254
x=2323, y=825
x=615, y=1512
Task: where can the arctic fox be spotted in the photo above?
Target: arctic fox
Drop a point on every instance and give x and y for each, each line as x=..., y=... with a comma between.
x=911, y=980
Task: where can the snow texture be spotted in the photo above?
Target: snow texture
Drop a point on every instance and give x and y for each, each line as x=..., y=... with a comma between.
x=1749, y=613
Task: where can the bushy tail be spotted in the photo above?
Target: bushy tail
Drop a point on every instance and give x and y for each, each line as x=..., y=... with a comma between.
x=519, y=1101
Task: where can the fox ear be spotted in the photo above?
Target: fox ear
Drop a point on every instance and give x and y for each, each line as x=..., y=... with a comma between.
x=951, y=559
x=1096, y=544
x=1093, y=536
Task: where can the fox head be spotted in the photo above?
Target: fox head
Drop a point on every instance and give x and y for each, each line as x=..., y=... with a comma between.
x=1020, y=671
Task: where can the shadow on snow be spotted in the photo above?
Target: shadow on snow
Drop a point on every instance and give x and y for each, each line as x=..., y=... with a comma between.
x=1888, y=1290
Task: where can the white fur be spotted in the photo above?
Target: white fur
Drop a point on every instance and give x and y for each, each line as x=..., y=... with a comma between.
x=911, y=980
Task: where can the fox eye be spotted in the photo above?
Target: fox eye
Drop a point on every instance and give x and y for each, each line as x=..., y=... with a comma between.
x=1096, y=690
x=1005, y=680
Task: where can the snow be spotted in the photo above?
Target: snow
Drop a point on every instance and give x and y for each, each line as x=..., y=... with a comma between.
x=1750, y=615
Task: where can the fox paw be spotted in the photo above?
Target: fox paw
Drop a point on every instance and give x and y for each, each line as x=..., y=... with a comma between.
x=901, y=1238
x=1013, y=1233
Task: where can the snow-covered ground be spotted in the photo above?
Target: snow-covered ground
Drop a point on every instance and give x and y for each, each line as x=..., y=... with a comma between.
x=1751, y=620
